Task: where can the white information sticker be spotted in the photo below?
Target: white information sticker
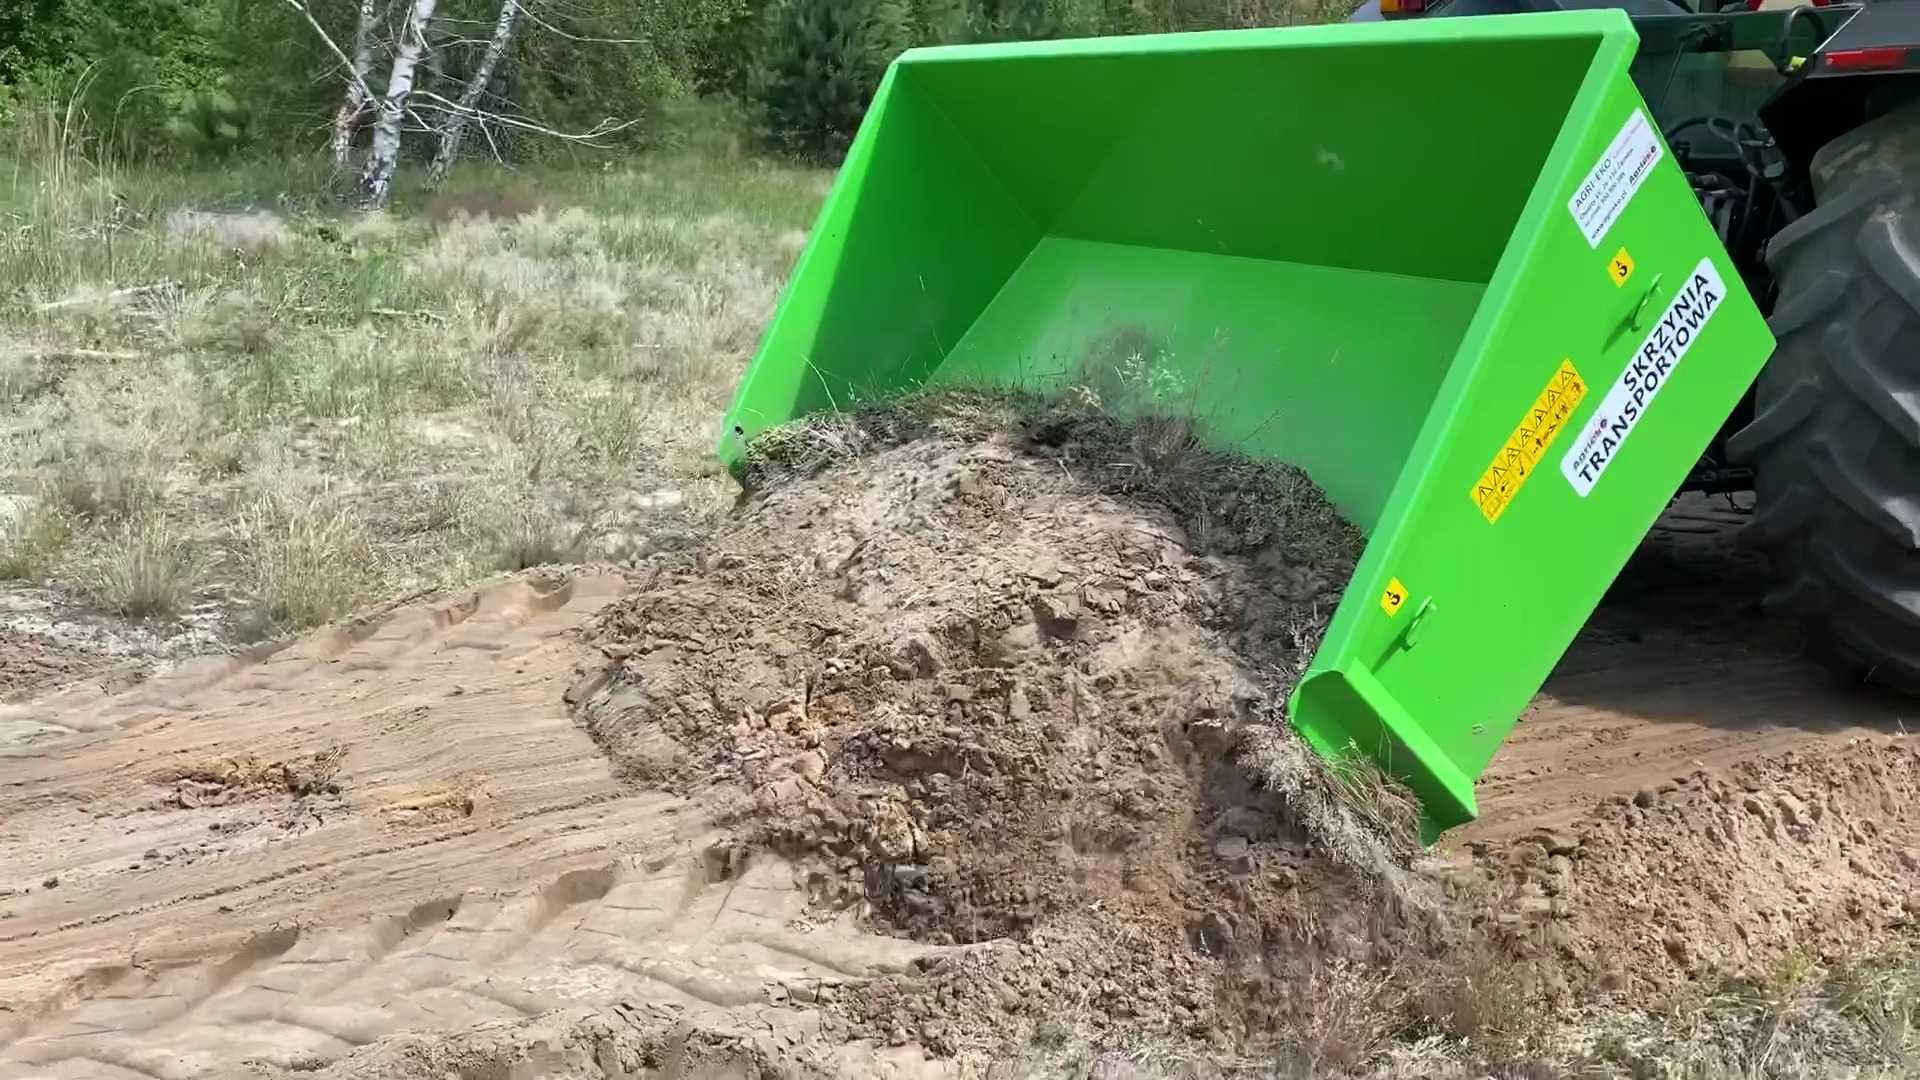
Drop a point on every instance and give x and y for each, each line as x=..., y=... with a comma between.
x=1649, y=371
x=1611, y=184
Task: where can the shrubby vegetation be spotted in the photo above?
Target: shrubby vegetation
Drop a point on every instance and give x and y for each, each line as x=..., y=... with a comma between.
x=196, y=79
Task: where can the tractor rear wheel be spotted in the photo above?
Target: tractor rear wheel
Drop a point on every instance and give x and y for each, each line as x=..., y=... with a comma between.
x=1835, y=439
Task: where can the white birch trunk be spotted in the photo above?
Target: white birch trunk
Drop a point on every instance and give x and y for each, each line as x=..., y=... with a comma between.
x=464, y=112
x=347, y=120
x=376, y=182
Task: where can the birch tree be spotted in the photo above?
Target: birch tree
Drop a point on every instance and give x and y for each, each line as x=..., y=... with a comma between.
x=466, y=109
x=346, y=121
x=376, y=181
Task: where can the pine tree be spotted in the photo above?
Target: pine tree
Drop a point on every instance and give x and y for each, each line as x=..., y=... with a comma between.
x=942, y=22
x=1028, y=20
x=886, y=32
x=824, y=61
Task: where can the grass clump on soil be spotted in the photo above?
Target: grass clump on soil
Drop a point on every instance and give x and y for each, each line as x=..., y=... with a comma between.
x=306, y=559
x=32, y=541
x=146, y=569
x=531, y=535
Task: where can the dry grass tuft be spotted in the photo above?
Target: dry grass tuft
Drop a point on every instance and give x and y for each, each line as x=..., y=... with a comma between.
x=1481, y=998
x=1351, y=1013
x=219, y=455
x=251, y=234
x=32, y=539
x=94, y=489
x=159, y=361
x=506, y=204
x=307, y=558
x=146, y=569
x=1354, y=813
x=530, y=535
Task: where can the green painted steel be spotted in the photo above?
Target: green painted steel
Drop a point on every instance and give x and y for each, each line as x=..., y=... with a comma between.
x=1348, y=247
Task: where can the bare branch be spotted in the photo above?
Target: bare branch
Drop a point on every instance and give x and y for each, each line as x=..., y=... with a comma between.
x=552, y=29
x=599, y=131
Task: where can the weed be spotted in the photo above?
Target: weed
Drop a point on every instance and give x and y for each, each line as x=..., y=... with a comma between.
x=219, y=455
x=92, y=488
x=22, y=378
x=531, y=535
x=146, y=569
x=1352, y=1013
x=307, y=558
x=33, y=539
x=1482, y=998
x=608, y=427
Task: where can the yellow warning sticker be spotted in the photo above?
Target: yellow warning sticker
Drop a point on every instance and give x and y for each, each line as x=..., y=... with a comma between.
x=1529, y=442
x=1394, y=598
x=1620, y=267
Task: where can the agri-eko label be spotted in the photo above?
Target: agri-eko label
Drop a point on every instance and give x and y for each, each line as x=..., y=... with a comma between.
x=1648, y=373
x=1601, y=198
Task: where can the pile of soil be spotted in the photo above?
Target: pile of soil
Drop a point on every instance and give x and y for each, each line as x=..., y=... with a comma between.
x=1020, y=679
x=1012, y=679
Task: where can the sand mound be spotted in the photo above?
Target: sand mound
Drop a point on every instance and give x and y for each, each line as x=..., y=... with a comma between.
x=989, y=689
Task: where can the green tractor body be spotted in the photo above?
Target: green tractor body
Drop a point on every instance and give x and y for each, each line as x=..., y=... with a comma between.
x=1450, y=267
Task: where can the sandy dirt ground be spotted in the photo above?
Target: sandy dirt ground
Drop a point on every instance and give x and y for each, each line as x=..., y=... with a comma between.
x=1680, y=669
x=275, y=859
x=458, y=837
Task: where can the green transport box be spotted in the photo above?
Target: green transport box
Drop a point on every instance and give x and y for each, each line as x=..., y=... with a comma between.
x=1449, y=267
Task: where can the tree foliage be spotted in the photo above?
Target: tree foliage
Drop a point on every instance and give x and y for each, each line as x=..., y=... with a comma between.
x=822, y=64
x=216, y=77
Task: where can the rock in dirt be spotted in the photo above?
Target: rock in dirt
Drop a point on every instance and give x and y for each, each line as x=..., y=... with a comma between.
x=1793, y=812
x=1555, y=841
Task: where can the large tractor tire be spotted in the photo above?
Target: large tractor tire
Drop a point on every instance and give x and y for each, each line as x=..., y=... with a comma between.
x=1835, y=440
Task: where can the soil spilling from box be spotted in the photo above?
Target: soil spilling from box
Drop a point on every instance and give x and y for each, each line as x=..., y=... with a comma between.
x=1020, y=679
x=1012, y=679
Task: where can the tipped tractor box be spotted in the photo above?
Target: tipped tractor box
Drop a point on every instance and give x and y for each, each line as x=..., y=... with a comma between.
x=1490, y=321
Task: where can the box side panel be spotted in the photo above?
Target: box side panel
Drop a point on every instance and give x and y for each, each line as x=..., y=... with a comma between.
x=1611, y=344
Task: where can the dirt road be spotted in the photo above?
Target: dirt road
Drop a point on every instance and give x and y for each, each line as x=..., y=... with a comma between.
x=390, y=849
